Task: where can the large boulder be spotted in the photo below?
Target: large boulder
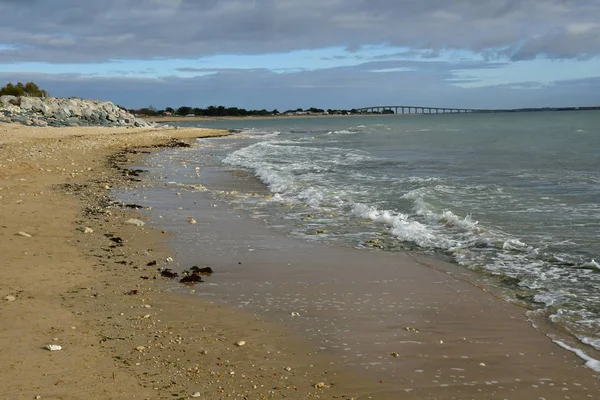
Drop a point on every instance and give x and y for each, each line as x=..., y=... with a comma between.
x=34, y=104
x=7, y=100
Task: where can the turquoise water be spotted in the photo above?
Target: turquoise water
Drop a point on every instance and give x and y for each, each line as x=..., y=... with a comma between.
x=511, y=196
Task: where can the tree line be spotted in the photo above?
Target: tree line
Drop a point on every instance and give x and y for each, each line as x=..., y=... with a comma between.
x=29, y=89
x=33, y=90
x=222, y=111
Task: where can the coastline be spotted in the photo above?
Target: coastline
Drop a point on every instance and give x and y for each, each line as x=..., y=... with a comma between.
x=179, y=119
x=72, y=287
x=471, y=339
x=122, y=335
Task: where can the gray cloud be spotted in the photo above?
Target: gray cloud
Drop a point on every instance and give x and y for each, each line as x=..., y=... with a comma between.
x=63, y=31
x=345, y=87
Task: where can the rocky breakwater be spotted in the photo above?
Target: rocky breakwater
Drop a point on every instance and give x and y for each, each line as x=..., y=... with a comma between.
x=50, y=111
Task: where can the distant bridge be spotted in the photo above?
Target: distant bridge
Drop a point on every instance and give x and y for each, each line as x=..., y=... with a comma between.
x=416, y=110
x=445, y=110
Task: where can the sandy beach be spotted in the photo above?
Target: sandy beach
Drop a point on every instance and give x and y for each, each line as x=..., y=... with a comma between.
x=61, y=286
x=74, y=274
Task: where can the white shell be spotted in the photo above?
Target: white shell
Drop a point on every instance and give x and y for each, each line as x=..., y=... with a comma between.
x=53, y=347
x=240, y=343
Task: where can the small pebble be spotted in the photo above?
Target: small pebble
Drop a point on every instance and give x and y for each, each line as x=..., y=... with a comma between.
x=10, y=297
x=24, y=234
x=196, y=394
x=240, y=343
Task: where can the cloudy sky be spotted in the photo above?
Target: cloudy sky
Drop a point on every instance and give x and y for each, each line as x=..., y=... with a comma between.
x=302, y=53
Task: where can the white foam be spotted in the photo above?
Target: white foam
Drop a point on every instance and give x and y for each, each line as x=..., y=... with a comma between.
x=595, y=343
x=452, y=220
x=418, y=179
x=401, y=225
x=516, y=244
x=341, y=132
x=416, y=232
x=590, y=362
x=591, y=265
x=311, y=196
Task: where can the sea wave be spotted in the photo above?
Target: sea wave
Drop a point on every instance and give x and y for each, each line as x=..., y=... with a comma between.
x=421, y=204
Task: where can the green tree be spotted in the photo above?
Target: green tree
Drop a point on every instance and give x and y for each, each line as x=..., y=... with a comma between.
x=184, y=110
x=149, y=111
x=29, y=89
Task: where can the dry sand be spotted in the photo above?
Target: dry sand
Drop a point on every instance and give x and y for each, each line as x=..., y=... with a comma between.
x=59, y=285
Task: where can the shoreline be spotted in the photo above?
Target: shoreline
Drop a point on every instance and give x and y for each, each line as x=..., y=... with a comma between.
x=460, y=323
x=75, y=289
x=159, y=119
x=90, y=291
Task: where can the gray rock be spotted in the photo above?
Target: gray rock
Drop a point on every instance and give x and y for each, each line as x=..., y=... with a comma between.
x=64, y=112
x=73, y=121
x=35, y=104
x=135, y=222
x=7, y=100
x=38, y=122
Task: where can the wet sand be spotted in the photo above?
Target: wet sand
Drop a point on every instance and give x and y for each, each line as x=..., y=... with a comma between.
x=417, y=325
x=122, y=335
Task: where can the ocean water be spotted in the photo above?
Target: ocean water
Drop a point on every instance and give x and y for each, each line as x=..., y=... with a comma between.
x=514, y=197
